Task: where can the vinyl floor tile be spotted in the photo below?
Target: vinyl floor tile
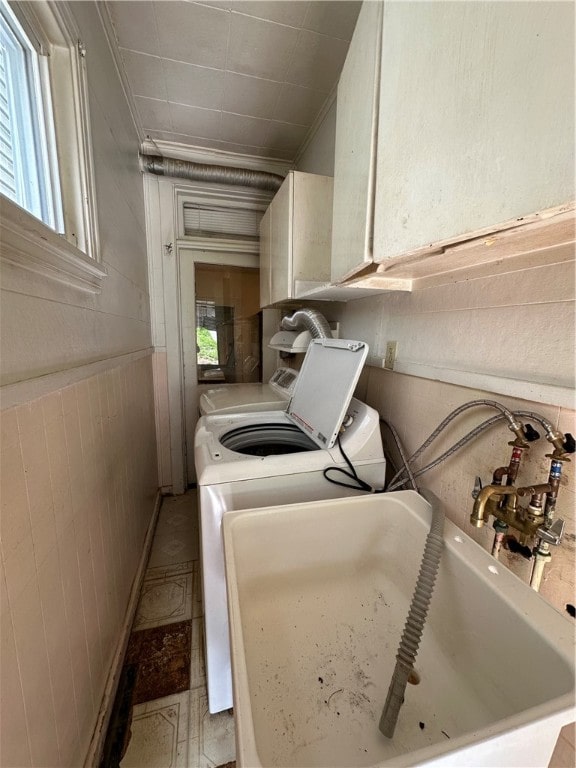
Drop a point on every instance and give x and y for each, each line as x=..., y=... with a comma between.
x=172, y=549
x=160, y=734
x=176, y=539
x=163, y=601
x=163, y=571
x=212, y=737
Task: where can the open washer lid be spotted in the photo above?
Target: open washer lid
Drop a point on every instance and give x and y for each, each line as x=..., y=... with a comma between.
x=325, y=386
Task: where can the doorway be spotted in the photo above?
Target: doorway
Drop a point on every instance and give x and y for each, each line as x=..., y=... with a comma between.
x=221, y=327
x=228, y=324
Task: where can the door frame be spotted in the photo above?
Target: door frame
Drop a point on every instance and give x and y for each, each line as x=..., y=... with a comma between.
x=164, y=198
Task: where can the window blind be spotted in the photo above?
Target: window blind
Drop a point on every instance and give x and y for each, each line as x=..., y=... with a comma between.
x=7, y=170
x=212, y=220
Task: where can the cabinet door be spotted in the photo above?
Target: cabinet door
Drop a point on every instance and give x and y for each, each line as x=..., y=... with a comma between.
x=355, y=146
x=311, y=231
x=265, y=259
x=281, y=212
x=476, y=119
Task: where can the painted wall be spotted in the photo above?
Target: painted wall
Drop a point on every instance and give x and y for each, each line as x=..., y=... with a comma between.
x=318, y=155
x=78, y=456
x=511, y=332
x=47, y=327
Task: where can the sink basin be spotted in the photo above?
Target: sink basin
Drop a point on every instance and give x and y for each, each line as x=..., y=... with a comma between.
x=318, y=595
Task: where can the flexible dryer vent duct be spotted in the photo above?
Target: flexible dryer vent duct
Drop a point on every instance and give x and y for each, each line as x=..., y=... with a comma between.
x=308, y=320
x=215, y=174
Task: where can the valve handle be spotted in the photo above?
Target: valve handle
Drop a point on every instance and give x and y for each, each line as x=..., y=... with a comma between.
x=569, y=443
x=530, y=433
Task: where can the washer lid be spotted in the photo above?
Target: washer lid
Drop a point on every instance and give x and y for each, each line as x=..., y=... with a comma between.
x=325, y=386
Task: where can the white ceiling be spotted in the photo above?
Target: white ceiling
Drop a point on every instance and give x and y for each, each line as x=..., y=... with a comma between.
x=241, y=76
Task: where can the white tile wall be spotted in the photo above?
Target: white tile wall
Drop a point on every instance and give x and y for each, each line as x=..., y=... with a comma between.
x=79, y=481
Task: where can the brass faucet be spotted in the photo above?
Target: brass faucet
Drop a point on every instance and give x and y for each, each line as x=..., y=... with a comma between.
x=501, y=501
x=536, y=520
x=488, y=501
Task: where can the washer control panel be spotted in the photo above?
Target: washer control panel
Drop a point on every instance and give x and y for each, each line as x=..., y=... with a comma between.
x=283, y=381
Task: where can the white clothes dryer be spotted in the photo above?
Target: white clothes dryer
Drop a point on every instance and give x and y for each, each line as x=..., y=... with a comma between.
x=253, y=460
x=246, y=398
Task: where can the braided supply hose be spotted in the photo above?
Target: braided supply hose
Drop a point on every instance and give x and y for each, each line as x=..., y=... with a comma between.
x=410, y=641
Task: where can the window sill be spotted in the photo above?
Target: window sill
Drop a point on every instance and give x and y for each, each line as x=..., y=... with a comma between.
x=28, y=244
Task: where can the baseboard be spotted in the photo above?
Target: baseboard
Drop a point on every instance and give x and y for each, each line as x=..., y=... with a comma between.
x=97, y=743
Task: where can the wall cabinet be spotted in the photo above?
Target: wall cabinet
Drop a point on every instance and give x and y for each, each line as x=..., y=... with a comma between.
x=295, y=238
x=454, y=121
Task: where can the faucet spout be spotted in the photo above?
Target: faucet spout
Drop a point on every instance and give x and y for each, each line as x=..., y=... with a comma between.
x=489, y=497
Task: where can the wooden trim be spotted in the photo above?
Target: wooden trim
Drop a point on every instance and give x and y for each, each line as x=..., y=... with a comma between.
x=31, y=389
x=70, y=120
x=526, y=244
x=537, y=392
x=218, y=244
x=360, y=289
x=544, y=257
x=108, y=27
x=554, y=226
x=27, y=243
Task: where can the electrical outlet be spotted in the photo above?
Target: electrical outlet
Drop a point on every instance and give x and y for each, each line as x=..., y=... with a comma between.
x=391, y=350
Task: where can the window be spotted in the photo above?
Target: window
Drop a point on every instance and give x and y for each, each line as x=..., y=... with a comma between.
x=26, y=173
x=48, y=222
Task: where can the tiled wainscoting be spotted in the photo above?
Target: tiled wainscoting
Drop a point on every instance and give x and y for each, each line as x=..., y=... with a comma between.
x=170, y=724
x=79, y=484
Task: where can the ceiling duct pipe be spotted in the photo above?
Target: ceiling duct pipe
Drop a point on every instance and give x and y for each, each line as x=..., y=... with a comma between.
x=215, y=174
x=308, y=320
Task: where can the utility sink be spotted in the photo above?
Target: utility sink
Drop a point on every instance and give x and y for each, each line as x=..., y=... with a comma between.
x=318, y=595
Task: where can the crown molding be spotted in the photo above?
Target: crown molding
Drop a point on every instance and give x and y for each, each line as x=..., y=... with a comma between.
x=108, y=27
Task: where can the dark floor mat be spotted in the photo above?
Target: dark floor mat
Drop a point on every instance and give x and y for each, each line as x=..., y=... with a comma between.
x=162, y=655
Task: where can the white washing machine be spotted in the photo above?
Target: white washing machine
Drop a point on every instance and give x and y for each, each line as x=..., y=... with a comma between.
x=279, y=457
x=245, y=398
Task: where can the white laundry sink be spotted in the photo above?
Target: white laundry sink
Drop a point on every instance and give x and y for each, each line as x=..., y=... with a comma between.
x=318, y=595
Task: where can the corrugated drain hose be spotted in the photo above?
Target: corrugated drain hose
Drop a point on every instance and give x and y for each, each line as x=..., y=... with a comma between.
x=414, y=626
